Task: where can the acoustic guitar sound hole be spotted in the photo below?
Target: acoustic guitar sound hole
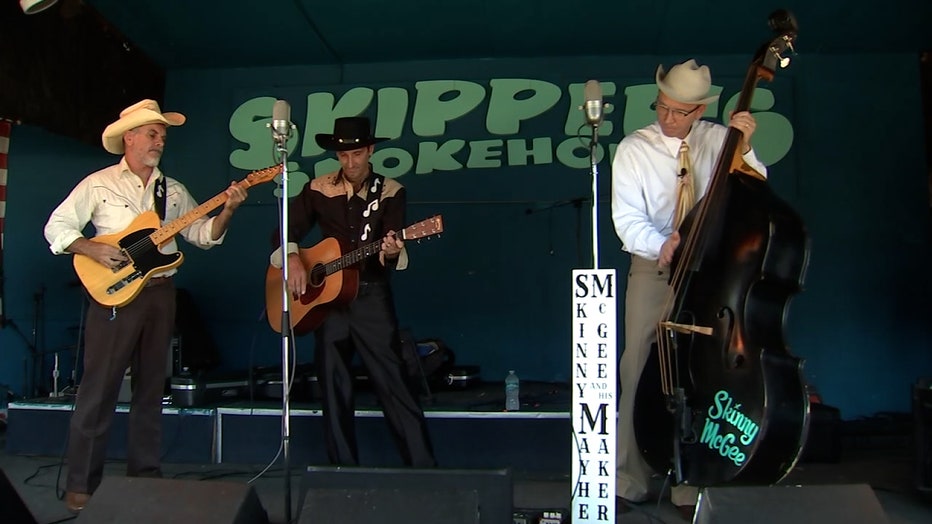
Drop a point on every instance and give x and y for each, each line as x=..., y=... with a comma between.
x=317, y=276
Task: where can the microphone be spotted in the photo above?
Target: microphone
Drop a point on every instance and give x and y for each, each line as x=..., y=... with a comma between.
x=593, y=107
x=281, y=120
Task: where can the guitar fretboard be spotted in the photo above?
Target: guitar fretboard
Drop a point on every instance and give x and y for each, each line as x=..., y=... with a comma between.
x=353, y=257
x=171, y=229
x=417, y=231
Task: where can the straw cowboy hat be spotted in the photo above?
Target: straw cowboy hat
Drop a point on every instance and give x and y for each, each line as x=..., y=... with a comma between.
x=687, y=83
x=348, y=133
x=139, y=114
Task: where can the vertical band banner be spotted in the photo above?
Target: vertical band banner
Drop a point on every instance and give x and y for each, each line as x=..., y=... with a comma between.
x=5, y=128
x=594, y=401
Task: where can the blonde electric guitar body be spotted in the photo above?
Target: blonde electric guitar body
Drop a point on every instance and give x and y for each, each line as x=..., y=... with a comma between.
x=140, y=244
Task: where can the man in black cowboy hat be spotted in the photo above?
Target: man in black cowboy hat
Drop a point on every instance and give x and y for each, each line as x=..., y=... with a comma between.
x=357, y=207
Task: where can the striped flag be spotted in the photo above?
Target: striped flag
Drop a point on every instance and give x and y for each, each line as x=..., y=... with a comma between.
x=5, y=128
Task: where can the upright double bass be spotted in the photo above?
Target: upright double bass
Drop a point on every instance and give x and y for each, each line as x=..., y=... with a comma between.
x=721, y=398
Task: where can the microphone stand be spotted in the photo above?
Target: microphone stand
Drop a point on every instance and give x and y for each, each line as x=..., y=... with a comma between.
x=594, y=170
x=281, y=141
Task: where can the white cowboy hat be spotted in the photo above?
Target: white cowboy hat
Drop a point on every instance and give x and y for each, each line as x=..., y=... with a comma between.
x=687, y=83
x=139, y=114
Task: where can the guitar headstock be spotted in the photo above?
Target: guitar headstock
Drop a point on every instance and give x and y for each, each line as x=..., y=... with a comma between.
x=263, y=175
x=423, y=229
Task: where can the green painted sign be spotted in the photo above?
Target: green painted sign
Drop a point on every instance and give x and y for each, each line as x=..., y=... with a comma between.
x=511, y=122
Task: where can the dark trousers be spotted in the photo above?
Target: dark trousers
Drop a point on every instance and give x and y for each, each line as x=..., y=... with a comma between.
x=138, y=337
x=369, y=328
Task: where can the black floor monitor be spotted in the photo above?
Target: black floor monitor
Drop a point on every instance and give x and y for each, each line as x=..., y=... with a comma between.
x=353, y=495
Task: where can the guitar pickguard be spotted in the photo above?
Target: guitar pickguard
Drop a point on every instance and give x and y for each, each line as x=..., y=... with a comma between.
x=143, y=256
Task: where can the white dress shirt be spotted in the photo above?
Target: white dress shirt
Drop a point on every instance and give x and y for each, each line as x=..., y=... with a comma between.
x=644, y=175
x=112, y=198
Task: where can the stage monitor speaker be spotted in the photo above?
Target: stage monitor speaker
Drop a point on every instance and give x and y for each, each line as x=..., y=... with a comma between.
x=355, y=495
x=12, y=508
x=848, y=503
x=156, y=501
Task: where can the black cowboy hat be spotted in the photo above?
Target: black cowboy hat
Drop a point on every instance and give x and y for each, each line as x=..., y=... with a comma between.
x=348, y=133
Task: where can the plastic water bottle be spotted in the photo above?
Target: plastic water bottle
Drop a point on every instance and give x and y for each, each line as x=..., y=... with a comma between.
x=512, y=388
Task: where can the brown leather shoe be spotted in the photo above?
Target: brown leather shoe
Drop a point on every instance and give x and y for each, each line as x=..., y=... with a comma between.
x=686, y=512
x=75, y=502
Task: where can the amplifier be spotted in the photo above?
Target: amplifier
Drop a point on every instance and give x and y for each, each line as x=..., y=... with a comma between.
x=823, y=443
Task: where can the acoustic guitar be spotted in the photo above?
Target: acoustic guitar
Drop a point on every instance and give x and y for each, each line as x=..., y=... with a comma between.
x=140, y=243
x=332, y=279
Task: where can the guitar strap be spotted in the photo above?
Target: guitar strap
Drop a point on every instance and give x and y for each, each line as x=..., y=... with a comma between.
x=160, y=197
x=372, y=211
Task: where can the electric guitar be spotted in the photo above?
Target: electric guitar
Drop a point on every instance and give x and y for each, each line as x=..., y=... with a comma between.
x=332, y=279
x=140, y=243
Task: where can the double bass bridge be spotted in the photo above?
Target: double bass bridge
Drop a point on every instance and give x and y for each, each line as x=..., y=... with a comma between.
x=687, y=329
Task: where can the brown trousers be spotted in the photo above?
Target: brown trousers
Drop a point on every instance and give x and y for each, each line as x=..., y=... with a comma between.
x=138, y=337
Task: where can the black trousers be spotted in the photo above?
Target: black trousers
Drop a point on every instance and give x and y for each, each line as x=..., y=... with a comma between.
x=368, y=327
x=138, y=337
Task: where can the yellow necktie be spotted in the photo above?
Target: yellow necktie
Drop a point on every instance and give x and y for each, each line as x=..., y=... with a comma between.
x=685, y=192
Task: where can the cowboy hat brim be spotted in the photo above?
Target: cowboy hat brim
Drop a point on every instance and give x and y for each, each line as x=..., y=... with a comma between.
x=113, y=135
x=678, y=95
x=332, y=143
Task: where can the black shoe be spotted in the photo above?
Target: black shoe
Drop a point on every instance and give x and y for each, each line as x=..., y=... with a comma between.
x=686, y=512
x=622, y=505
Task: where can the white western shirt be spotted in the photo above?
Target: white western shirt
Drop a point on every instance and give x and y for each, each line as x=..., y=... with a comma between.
x=644, y=181
x=112, y=198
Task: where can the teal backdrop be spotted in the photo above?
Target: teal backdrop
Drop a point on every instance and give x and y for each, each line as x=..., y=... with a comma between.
x=846, y=142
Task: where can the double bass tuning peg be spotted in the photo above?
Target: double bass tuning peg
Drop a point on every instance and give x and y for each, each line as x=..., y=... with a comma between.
x=782, y=61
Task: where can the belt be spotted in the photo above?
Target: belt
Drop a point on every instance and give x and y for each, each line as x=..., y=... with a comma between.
x=158, y=281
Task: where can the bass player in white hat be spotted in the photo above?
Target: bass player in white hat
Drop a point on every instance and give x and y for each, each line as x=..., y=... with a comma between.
x=658, y=173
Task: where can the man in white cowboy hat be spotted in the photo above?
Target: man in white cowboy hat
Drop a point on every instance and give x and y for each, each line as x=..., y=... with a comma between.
x=658, y=172
x=137, y=335
x=357, y=207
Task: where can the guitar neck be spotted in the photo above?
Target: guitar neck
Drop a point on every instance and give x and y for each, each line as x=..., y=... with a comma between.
x=354, y=257
x=166, y=232
x=359, y=254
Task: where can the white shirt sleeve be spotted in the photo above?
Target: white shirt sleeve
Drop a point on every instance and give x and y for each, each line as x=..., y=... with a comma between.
x=180, y=202
x=67, y=221
x=630, y=213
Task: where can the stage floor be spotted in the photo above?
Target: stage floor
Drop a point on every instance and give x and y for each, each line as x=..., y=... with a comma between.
x=239, y=442
x=468, y=428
